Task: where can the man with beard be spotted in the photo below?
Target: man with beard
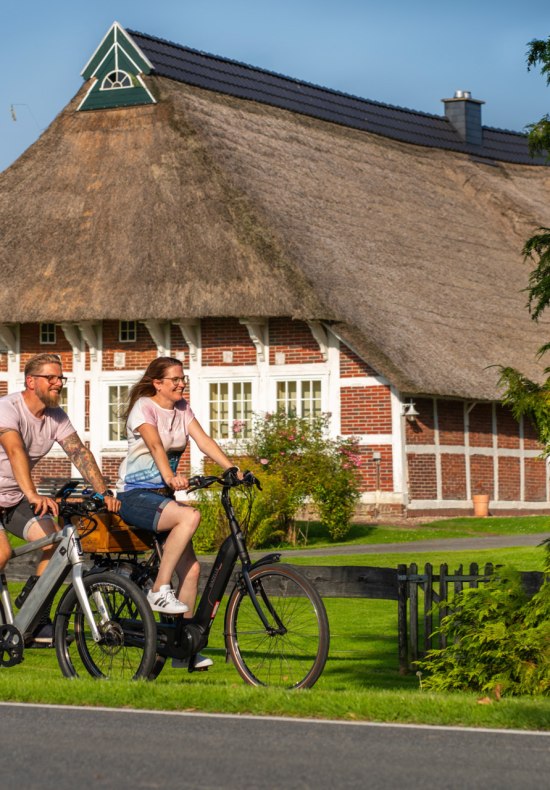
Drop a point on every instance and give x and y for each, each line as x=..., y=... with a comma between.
x=30, y=422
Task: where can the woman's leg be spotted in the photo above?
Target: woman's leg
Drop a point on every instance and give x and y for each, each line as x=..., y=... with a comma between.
x=181, y=521
x=188, y=571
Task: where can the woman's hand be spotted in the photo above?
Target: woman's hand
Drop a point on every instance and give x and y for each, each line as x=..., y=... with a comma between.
x=178, y=482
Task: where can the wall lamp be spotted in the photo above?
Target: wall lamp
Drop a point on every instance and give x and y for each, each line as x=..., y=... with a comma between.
x=409, y=411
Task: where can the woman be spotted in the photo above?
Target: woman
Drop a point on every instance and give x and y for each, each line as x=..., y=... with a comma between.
x=158, y=422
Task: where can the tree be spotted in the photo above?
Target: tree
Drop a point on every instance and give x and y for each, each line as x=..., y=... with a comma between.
x=523, y=396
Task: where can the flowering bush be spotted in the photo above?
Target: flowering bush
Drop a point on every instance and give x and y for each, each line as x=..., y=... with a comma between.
x=296, y=462
x=308, y=464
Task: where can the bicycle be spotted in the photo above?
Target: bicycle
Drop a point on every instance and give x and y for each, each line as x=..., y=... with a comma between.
x=104, y=618
x=276, y=629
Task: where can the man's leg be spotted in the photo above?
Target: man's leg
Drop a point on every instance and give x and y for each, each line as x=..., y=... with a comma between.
x=5, y=549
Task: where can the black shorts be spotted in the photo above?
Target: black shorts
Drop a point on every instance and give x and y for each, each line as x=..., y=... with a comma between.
x=18, y=519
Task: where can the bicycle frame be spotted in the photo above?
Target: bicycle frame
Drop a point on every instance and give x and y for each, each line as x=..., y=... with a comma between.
x=189, y=635
x=68, y=554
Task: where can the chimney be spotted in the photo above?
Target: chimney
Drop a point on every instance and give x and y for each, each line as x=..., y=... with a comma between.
x=465, y=115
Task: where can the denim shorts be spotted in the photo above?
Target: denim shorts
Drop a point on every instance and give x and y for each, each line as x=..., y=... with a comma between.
x=142, y=507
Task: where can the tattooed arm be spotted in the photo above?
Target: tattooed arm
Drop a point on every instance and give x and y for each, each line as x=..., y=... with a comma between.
x=12, y=443
x=86, y=464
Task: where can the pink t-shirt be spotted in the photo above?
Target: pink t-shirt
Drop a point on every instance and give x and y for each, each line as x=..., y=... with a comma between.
x=38, y=435
x=138, y=470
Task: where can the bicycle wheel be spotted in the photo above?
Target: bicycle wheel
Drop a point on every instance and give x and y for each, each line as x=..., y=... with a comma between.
x=293, y=652
x=125, y=621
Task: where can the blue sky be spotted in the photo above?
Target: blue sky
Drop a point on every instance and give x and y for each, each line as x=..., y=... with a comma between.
x=405, y=52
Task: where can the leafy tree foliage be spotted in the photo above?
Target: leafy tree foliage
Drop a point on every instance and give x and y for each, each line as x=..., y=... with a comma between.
x=523, y=396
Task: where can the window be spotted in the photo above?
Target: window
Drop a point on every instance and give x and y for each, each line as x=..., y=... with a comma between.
x=116, y=79
x=127, y=331
x=230, y=409
x=299, y=398
x=47, y=334
x=118, y=397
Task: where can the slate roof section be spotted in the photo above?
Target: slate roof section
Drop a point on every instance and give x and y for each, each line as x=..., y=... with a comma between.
x=247, y=82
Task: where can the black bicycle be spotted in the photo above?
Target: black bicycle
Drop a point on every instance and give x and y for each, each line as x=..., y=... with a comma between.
x=276, y=627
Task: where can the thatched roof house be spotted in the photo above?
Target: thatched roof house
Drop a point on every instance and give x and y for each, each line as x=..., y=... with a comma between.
x=239, y=192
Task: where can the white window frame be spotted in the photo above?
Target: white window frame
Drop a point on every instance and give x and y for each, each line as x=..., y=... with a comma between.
x=284, y=376
x=116, y=87
x=115, y=379
x=43, y=332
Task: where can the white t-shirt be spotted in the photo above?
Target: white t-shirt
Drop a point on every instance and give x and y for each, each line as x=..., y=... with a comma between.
x=138, y=470
x=38, y=435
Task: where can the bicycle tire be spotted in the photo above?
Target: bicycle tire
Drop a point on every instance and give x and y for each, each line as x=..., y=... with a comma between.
x=293, y=657
x=127, y=649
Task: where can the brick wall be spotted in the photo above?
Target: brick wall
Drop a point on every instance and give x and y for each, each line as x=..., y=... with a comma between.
x=481, y=425
x=3, y=362
x=507, y=429
x=367, y=473
x=481, y=475
x=509, y=487
x=422, y=476
x=365, y=410
x=294, y=340
x=453, y=476
x=421, y=431
x=138, y=354
x=52, y=467
x=219, y=335
x=450, y=417
x=352, y=366
x=30, y=345
x=535, y=480
x=3, y=388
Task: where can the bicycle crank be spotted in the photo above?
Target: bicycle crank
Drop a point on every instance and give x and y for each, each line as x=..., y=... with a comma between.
x=11, y=646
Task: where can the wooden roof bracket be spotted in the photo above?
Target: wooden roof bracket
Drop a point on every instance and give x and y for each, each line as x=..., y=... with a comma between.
x=321, y=336
x=73, y=338
x=9, y=339
x=158, y=332
x=89, y=334
x=259, y=334
x=190, y=329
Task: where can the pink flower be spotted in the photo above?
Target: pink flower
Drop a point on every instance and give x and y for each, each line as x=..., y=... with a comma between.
x=264, y=461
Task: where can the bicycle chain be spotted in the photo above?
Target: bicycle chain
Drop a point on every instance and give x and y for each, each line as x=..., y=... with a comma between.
x=11, y=646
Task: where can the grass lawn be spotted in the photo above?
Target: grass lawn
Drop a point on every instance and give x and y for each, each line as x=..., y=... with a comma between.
x=360, y=682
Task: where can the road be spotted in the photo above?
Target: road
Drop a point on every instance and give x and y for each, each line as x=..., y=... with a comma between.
x=47, y=747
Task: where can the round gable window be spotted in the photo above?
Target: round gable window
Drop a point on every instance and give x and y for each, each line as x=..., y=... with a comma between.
x=116, y=79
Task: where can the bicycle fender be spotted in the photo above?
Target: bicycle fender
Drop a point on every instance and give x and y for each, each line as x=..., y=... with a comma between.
x=267, y=560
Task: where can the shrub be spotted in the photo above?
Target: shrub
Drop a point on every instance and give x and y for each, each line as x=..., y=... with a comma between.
x=498, y=640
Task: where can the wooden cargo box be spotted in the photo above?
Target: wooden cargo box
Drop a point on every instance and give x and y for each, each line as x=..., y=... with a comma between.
x=110, y=535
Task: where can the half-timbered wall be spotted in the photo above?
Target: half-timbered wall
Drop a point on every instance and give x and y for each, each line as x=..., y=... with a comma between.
x=436, y=461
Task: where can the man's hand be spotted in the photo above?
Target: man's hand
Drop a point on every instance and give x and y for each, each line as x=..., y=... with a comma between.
x=112, y=504
x=43, y=504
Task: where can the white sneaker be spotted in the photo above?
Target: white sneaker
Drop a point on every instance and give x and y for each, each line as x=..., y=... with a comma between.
x=165, y=601
x=201, y=662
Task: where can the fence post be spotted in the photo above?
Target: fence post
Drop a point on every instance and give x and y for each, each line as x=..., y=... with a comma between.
x=402, y=636
x=428, y=603
x=413, y=610
x=443, y=573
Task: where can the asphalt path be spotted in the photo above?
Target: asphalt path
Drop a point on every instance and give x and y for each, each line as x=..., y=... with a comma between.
x=63, y=748
x=419, y=546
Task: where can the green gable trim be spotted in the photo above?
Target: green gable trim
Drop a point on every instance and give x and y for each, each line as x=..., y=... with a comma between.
x=117, y=38
x=115, y=69
x=120, y=97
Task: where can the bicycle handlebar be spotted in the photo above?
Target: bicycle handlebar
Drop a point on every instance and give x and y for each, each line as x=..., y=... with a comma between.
x=228, y=479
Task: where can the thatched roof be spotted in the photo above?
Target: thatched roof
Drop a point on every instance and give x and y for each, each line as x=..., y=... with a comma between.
x=212, y=205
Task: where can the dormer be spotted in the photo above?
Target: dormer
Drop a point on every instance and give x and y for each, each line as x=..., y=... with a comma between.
x=116, y=70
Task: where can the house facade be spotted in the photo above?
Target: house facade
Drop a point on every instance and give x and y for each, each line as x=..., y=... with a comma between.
x=297, y=249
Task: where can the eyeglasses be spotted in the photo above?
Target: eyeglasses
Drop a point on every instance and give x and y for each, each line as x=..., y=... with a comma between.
x=177, y=380
x=51, y=378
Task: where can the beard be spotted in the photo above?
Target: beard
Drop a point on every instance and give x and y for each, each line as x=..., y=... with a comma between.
x=50, y=399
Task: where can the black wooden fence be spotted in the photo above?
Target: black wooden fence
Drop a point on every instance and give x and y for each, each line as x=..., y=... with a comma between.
x=415, y=593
